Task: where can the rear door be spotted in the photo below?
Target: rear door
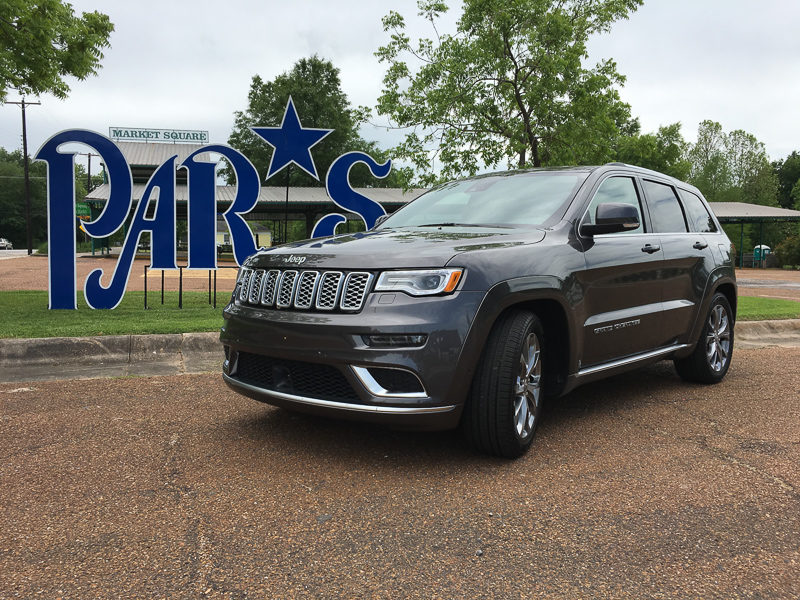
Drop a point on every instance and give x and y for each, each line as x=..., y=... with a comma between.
x=621, y=283
x=687, y=256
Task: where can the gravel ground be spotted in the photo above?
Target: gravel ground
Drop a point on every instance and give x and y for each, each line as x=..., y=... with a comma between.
x=640, y=486
x=769, y=283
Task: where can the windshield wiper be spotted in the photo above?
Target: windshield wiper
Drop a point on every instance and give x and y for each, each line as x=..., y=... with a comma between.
x=492, y=225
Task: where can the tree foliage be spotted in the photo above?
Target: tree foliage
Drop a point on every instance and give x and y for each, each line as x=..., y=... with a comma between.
x=43, y=41
x=509, y=85
x=732, y=167
x=663, y=151
x=12, y=197
x=788, y=172
x=315, y=88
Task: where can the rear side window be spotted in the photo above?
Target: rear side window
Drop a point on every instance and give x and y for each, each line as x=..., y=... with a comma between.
x=665, y=209
x=615, y=189
x=697, y=213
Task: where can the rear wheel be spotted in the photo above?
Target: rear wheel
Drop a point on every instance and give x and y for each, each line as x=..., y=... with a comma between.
x=505, y=401
x=709, y=361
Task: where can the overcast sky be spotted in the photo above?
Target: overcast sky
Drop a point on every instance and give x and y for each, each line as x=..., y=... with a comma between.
x=188, y=64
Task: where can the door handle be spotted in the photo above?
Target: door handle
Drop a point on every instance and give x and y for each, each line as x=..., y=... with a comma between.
x=699, y=246
x=650, y=249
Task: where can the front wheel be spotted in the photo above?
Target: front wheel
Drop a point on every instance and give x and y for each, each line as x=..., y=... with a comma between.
x=505, y=401
x=711, y=358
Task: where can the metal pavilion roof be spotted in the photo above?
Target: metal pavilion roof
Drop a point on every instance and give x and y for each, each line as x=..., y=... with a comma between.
x=152, y=155
x=273, y=196
x=741, y=212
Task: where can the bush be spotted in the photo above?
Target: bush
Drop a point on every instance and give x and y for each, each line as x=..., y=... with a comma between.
x=788, y=251
x=80, y=247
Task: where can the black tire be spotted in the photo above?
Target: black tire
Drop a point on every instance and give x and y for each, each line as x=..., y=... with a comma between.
x=502, y=412
x=709, y=361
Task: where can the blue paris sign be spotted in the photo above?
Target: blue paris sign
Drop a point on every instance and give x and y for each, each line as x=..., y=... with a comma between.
x=292, y=144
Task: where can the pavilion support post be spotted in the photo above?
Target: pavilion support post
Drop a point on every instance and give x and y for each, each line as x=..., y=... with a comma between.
x=309, y=223
x=741, y=248
x=760, y=244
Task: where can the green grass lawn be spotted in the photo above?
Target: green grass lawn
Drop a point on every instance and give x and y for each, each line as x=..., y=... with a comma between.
x=24, y=314
x=767, y=309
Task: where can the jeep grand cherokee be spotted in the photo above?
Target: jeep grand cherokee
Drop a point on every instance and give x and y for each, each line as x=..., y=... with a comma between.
x=474, y=302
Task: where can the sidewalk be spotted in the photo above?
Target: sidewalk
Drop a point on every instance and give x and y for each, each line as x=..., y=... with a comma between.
x=171, y=354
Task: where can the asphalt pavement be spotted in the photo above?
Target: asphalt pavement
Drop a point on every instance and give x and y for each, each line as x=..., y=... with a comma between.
x=640, y=486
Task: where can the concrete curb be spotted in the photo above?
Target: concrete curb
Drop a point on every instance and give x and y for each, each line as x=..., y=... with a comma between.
x=762, y=334
x=170, y=354
x=109, y=356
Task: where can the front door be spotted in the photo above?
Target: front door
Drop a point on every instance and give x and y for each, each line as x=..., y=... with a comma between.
x=622, y=283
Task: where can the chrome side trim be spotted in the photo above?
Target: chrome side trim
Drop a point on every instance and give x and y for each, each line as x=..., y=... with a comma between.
x=631, y=359
x=376, y=389
x=637, y=311
x=386, y=410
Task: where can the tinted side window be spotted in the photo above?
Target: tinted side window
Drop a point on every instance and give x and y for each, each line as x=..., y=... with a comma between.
x=616, y=189
x=696, y=213
x=665, y=210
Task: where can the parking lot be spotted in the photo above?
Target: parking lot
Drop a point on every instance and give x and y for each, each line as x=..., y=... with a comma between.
x=640, y=486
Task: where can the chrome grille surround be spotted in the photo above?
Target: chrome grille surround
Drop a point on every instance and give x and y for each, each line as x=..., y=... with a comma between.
x=330, y=286
x=256, y=280
x=244, y=284
x=304, y=290
x=306, y=287
x=286, y=289
x=355, y=289
x=270, y=287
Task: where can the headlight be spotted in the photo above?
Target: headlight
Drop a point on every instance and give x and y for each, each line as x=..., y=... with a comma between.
x=419, y=282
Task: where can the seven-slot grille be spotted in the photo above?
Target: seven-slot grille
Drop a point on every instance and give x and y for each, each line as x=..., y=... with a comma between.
x=304, y=290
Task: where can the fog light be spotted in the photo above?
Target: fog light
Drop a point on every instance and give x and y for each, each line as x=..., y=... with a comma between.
x=386, y=340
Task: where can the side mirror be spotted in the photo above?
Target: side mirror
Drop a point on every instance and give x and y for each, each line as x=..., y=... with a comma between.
x=612, y=217
x=380, y=220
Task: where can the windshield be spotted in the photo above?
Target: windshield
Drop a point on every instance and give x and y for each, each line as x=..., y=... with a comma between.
x=515, y=199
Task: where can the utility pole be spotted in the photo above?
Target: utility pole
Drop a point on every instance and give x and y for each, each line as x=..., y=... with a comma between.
x=89, y=155
x=23, y=104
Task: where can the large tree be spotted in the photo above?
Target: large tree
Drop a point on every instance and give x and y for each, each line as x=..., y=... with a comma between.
x=788, y=172
x=12, y=199
x=43, y=41
x=663, y=151
x=509, y=85
x=731, y=167
x=315, y=88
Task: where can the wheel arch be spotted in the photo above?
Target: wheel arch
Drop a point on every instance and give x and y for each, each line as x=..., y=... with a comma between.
x=728, y=289
x=556, y=327
x=721, y=281
x=549, y=305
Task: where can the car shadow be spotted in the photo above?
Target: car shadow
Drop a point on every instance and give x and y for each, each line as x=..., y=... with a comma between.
x=313, y=436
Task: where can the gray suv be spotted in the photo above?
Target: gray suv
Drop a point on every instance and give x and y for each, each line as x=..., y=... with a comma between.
x=482, y=297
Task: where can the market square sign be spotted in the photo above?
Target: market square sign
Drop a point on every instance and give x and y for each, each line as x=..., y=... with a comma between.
x=292, y=144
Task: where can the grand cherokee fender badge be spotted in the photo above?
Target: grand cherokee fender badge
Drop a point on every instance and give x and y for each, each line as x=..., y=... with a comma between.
x=615, y=326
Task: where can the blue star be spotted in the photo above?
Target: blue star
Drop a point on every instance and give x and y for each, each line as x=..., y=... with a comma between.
x=292, y=142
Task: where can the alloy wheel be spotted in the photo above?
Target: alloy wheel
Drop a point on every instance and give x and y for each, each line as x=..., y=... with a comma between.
x=528, y=387
x=718, y=338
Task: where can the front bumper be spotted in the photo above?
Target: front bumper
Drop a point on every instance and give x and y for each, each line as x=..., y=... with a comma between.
x=334, y=346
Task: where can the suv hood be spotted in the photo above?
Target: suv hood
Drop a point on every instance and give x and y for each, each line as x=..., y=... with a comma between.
x=427, y=247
